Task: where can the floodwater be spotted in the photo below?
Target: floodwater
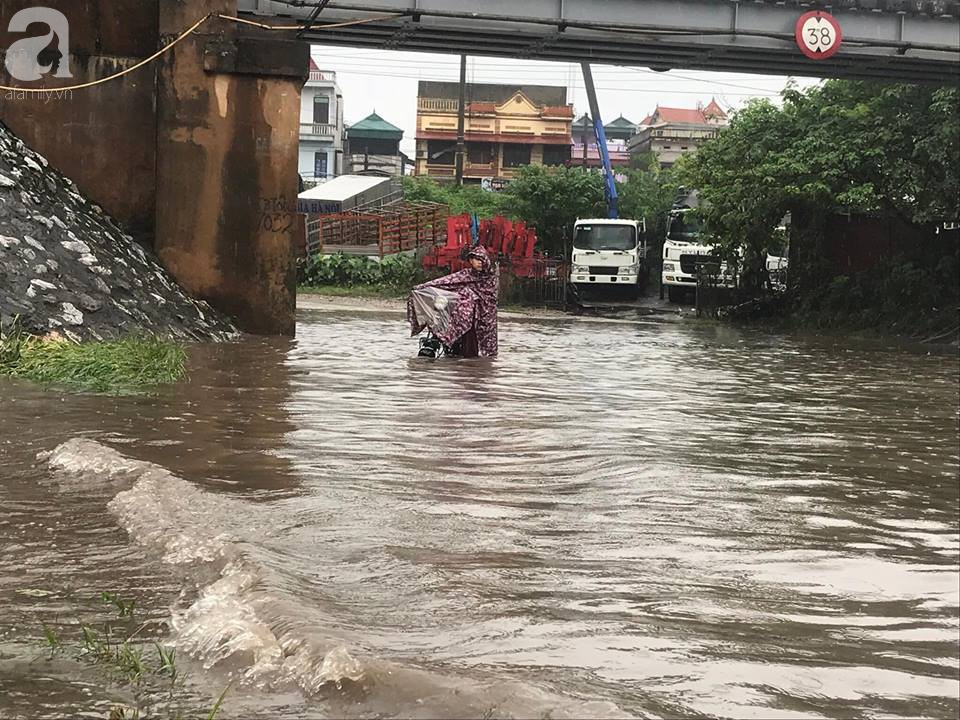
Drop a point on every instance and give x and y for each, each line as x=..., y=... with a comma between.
x=650, y=519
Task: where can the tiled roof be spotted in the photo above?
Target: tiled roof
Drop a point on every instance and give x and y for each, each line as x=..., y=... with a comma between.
x=558, y=111
x=488, y=92
x=374, y=126
x=620, y=122
x=686, y=116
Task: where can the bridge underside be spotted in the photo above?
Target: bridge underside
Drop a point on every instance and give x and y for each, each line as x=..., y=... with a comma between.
x=883, y=39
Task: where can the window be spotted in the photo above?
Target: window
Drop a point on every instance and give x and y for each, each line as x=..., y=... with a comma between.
x=556, y=154
x=321, y=109
x=320, y=164
x=515, y=155
x=441, y=152
x=480, y=153
x=605, y=237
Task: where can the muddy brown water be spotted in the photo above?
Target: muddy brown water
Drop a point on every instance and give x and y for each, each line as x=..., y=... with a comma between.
x=612, y=519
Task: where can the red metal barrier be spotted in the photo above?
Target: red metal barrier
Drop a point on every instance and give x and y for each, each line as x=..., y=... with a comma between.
x=512, y=242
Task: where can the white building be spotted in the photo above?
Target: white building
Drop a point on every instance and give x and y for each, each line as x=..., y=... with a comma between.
x=321, y=126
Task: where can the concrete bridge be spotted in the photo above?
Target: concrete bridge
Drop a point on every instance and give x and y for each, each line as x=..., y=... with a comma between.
x=905, y=40
x=196, y=152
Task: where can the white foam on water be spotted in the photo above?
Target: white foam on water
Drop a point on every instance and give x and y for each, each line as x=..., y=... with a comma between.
x=226, y=626
x=222, y=626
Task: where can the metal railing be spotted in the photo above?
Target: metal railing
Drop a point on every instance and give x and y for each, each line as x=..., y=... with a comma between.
x=440, y=104
x=379, y=231
x=319, y=129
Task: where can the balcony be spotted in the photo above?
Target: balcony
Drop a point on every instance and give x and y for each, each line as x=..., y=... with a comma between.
x=438, y=105
x=320, y=131
x=322, y=76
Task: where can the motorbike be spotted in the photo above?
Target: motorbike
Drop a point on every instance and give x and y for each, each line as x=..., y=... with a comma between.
x=434, y=307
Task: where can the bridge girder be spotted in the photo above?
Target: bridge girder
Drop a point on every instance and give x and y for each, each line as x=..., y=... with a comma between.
x=883, y=39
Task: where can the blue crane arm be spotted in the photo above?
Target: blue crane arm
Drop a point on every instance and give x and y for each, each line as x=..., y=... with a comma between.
x=609, y=182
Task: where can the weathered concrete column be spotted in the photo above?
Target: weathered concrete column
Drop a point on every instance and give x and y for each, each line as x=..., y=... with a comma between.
x=104, y=137
x=228, y=120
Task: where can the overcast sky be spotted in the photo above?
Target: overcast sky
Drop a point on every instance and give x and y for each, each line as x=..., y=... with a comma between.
x=386, y=81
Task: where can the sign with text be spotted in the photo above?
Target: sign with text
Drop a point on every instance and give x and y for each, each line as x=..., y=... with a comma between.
x=818, y=35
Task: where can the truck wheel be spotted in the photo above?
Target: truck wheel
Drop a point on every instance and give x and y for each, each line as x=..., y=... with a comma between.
x=674, y=294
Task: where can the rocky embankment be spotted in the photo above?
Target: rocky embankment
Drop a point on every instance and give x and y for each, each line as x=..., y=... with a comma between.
x=66, y=266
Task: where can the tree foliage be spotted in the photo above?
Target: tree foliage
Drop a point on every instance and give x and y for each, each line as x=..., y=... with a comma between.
x=840, y=147
x=648, y=193
x=551, y=199
x=459, y=198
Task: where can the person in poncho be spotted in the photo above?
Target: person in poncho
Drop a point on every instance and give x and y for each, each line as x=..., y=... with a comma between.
x=471, y=325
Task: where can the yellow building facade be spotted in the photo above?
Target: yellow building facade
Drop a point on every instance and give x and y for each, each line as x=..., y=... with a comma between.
x=506, y=127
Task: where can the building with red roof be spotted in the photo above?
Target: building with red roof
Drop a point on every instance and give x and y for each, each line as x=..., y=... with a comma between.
x=669, y=132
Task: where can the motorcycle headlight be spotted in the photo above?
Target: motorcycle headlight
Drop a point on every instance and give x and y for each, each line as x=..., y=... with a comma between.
x=669, y=267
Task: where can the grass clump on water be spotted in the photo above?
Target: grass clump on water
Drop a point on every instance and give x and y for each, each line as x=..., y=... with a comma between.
x=124, y=366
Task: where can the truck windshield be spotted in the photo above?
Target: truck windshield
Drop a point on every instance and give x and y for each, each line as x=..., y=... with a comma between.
x=684, y=227
x=605, y=237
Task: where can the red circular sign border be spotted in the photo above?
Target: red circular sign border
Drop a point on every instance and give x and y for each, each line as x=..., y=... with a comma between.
x=798, y=35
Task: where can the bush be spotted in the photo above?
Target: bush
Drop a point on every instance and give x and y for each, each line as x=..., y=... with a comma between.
x=397, y=273
x=124, y=366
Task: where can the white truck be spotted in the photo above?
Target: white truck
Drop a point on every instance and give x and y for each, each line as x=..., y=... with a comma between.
x=609, y=253
x=683, y=250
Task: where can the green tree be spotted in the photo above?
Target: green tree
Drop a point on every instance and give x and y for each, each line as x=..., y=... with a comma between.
x=551, y=199
x=459, y=198
x=648, y=192
x=840, y=147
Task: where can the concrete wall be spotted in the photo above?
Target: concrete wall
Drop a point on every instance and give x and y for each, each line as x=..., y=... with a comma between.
x=82, y=133
x=198, y=150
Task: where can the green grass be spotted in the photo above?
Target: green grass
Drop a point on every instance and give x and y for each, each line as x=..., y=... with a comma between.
x=125, y=366
x=365, y=291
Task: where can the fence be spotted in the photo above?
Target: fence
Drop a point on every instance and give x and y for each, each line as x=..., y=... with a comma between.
x=394, y=228
x=542, y=281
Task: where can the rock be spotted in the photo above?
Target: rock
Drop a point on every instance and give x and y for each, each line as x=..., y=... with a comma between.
x=71, y=315
x=106, y=284
x=76, y=246
x=88, y=303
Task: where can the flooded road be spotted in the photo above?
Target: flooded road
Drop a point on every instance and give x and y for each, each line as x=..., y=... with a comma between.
x=612, y=519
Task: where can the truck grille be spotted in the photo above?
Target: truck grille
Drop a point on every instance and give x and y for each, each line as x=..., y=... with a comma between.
x=688, y=263
x=598, y=270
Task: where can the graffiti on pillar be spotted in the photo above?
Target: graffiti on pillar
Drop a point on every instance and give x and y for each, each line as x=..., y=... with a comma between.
x=276, y=216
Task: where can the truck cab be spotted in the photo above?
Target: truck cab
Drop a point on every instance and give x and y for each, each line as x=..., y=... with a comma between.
x=609, y=253
x=684, y=249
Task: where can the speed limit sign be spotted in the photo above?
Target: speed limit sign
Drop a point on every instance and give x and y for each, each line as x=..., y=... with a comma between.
x=818, y=35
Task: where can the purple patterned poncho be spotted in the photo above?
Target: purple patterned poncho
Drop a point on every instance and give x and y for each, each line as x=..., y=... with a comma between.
x=473, y=320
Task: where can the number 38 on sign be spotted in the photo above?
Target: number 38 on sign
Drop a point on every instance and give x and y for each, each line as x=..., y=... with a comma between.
x=818, y=35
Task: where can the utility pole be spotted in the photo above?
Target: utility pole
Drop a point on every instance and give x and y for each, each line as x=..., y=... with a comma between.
x=461, y=115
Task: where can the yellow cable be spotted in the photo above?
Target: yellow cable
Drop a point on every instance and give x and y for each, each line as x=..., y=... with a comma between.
x=333, y=26
x=170, y=46
x=139, y=65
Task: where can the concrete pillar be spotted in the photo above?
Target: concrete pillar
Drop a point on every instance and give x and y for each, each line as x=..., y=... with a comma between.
x=104, y=137
x=228, y=115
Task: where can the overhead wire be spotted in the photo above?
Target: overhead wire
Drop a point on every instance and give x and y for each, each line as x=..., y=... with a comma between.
x=173, y=43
